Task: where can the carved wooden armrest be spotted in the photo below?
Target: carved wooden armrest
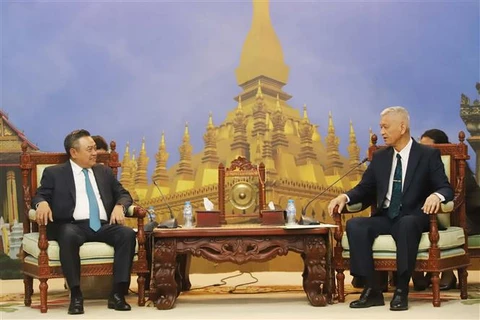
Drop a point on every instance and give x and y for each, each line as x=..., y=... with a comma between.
x=135, y=212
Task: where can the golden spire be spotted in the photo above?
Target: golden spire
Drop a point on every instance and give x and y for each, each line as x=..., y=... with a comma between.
x=210, y=138
x=142, y=167
x=259, y=90
x=354, y=155
x=125, y=175
x=160, y=174
x=305, y=115
x=262, y=53
x=186, y=135
x=277, y=106
x=239, y=106
x=210, y=121
x=331, y=128
x=184, y=169
x=370, y=134
x=162, y=141
x=334, y=163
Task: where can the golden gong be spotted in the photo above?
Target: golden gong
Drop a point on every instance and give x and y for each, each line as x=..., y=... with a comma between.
x=242, y=195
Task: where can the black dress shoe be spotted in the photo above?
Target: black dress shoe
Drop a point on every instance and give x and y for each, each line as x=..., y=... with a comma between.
x=368, y=298
x=399, y=301
x=76, y=306
x=420, y=281
x=117, y=302
x=447, y=285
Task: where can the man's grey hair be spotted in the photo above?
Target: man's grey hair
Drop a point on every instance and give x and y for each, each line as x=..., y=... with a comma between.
x=399, y=111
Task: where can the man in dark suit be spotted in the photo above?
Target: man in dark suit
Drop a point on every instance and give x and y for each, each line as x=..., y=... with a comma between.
x=80, y=202
x=407, y=181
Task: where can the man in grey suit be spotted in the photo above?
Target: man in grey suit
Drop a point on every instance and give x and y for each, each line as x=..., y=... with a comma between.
x=81, y=201
x=407, y=182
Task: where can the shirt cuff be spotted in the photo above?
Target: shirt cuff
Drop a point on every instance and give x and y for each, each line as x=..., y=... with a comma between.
x=442, y=198
x=348, y=198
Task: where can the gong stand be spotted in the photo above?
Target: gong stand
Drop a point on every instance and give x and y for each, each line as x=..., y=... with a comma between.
x=242, y=194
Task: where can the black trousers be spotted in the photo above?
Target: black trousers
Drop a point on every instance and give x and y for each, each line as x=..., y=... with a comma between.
x=406, y=230
x=70, y=236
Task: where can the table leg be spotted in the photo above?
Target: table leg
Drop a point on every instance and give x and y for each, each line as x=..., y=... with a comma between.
x=164, y=266
x=183, y=264
x=315, y=276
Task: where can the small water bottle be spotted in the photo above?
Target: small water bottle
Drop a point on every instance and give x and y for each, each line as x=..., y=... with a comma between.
x=187, y=215
x=291, y=212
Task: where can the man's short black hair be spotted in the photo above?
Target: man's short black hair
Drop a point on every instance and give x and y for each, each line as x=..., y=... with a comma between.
x=71, y=140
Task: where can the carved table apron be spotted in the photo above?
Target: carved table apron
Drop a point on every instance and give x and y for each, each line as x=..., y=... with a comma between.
x=173, y=247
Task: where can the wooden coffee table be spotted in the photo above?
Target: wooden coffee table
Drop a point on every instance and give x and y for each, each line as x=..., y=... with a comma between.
x=239, y=244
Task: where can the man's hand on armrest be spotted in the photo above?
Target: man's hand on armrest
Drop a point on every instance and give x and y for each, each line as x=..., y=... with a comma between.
x=339, y=201
x=44, y=213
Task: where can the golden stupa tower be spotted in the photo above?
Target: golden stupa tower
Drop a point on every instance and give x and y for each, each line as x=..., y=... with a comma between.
x=262, y=127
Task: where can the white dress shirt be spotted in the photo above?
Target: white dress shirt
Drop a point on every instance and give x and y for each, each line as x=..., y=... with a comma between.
x=81, y=211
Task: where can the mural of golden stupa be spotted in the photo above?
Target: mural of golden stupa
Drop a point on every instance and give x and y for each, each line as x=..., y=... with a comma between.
x=262, y=127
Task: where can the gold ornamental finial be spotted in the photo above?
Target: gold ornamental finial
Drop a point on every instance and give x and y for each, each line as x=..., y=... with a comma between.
x=143, y=144
x=305, y=115
x=259, y=90
x=162, y=141
x=239, y=107
x=262, y=53
x=210, y=120
x=278, y=107
x=186, y=134
x=331, y=127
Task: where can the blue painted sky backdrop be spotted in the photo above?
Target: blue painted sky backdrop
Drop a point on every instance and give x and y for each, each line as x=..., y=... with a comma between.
x=128, y=70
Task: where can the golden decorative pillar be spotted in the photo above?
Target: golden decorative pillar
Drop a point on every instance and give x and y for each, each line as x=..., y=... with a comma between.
x=259, y=113
x=141, y=179
x=279, y=139
x=258, y=152
x=12, y=198
x=133, y=172
x=470, y=114
x=267, y=154
x=333, y=165
x=210, y=156
x=160, y=175
x=354, y=155
x=305, y=131
x=184, y=179
x=239, y=146
x=125, y=176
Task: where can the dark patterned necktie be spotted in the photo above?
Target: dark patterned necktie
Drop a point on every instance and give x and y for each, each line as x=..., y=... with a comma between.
x=94, y=220
x=396, y=199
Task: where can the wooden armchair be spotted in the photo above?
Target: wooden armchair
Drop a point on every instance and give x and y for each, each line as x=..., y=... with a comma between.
x=438, y=250
x=40, y=258
x=242, y=195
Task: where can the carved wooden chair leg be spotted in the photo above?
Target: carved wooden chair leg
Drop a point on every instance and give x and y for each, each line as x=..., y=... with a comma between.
x=43, y=295
x=436, y=289
x=341, y=285
x=462, y=280
x=141, y=289
x=28, y=284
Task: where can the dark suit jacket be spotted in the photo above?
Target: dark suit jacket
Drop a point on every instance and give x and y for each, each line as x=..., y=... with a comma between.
x=425, y=175
x=58, y=189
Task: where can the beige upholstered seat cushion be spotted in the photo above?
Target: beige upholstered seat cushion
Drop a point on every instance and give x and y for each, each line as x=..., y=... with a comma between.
x=453, y=237
x=423, y=255
x=89, y=250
